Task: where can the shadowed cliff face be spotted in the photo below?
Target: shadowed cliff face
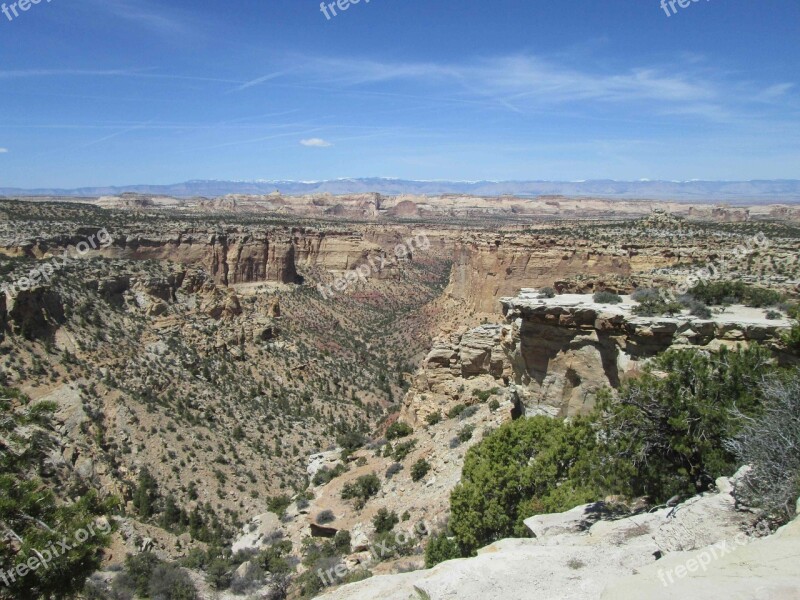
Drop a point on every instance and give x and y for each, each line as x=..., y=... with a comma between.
x=487, y=269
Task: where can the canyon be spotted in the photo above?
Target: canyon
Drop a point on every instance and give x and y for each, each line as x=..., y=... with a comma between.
x=196, y=346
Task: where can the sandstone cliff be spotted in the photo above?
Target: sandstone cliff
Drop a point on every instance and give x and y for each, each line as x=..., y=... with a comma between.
x=555, y=354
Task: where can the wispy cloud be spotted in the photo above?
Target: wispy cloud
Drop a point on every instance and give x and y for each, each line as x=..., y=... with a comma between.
x=131, y=73
x=523, y=82
x=3, y=150
x=316, y=143
x=258, y=81
x=144, y=14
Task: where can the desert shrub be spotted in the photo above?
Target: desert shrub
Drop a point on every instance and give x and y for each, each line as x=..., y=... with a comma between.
x=273, y=559
x=350, y=441
x=773, y=315
x=456, y=411
x=440, y=548
x=361, y=490
x=393, y=470
x=697, y=308
x=420, y=469
x=646, y=295
x=398, y=430
x=716, y=293
x=385, y=521
x=465, y=433
x=342, y=542
x=494, y=405
x=606, y=297
x=170, y=582
x=500, y=480
x=653, y=304
x=219, y=573
x=356, y=576
x=433, y=418
x=326, y=475
x=139, y=570
x=401, y=451
x=668, y=430
x=390, y=545
x=468, y=412
x=661, y=435
x=325, y=517
x=484, y=395
x=547, y=292
x=792, y=337
x=770, y=444
x=278, y=504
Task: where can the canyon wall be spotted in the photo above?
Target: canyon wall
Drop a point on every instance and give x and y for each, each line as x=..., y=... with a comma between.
x=252, y=256
x=489, y=268
x=552, y=356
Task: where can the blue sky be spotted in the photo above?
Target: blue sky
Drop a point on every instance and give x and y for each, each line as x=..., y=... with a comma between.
x=102, y=92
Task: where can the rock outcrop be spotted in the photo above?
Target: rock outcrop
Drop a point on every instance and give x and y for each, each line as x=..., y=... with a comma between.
x=582, y=555
x=555, y=354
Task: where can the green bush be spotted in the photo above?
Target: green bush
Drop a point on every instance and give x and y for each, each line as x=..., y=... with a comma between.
x=398, y=430
x=401, y=451
x=325, y=517
x=716, y=293
x=326, y=475
x=364, y=488
x=792, y=337
x=420, y=469
x=494, y=405
x=606, y=297
x=170, y=582
x=456, y=411
x=669, y=430
x=30, y=509
x=662, y=434
x=501, y=484
x=484, y=395
x=653, y=304
x=440, y=548
x=385, y=521
x=465, y=433
x=433, y=418
x=278, y=504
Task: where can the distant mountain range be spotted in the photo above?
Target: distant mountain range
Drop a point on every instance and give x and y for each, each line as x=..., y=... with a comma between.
x=695, y=191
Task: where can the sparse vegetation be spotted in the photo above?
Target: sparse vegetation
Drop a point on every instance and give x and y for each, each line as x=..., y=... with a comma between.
x=398, y=430
x=420, y=469
x=768, y=443
x=605, y=297
x=638, y=442
x=362, y=489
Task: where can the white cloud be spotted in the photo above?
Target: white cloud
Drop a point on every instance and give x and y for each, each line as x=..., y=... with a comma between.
x=523, y=83
x=316, y=143
x=3, y=150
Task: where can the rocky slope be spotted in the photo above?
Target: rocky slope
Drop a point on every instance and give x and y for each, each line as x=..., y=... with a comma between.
x=700, y=548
